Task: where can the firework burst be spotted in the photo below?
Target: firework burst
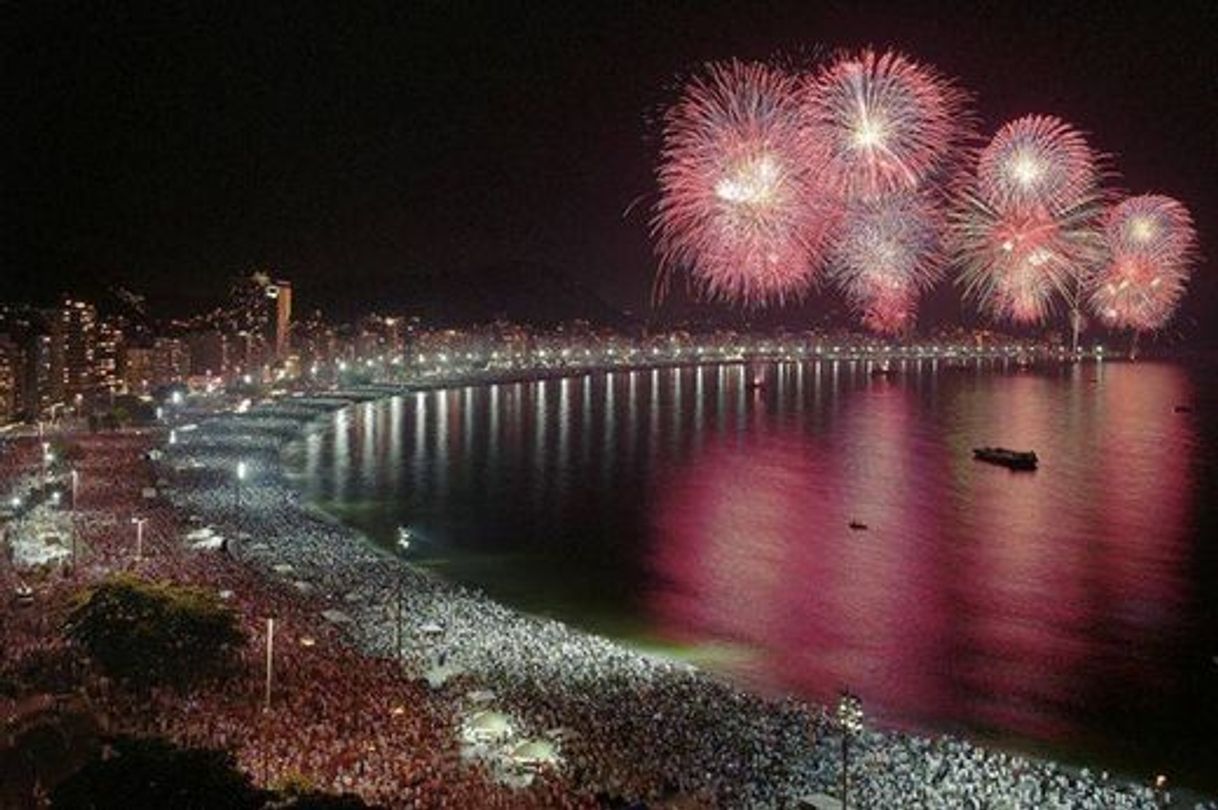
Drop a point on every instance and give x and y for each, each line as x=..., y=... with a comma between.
x=1016, y=263
x=887, y=252
x=739, y=203
x=891, y=124
x=1152, y=246
x=1026, y=230
x=1037, y=162
x=1151, y=226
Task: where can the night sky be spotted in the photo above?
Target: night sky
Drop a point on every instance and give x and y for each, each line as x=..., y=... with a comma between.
x=357, y=147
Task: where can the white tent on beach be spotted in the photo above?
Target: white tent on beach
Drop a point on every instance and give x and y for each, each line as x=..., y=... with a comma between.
x=535, y=752
x=489, y=725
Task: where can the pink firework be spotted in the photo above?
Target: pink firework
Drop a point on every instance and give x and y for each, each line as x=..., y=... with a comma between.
x=889, y=312
x=891, y=124
x=887, y=252
x=1151, y=226
x=1016, y=262
x=1027, y=228
x=1152, y=245
x=1037, y=161
x=739, y=203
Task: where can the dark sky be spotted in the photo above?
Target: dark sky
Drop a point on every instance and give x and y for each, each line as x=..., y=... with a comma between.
x=353, y=146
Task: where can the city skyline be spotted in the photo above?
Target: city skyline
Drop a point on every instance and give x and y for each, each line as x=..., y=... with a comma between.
x=258, y=157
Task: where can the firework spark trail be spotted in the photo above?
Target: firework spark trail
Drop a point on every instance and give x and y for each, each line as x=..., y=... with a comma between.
x=891, y=124
x=1152, y=246
x=1026, y=231
x=887, y=252
x=739, y=203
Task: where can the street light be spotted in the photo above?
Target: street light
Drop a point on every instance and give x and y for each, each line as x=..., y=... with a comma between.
x=242, y=471
x=139, y=537
x=270, y=662
x=850, y=721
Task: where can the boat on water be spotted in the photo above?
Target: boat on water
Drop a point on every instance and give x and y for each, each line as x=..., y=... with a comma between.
x=858, y=526
x=883, y=371
x=1012, y=459
x=756, y=384
x=404, y=538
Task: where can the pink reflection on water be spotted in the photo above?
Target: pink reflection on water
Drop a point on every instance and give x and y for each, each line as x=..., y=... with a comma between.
x=1019, y=602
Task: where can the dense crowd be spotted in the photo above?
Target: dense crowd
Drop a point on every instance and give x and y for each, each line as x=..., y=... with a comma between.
x=338, y=720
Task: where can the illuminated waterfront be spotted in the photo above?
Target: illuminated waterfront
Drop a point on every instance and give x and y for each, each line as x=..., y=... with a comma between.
x=1064, y=608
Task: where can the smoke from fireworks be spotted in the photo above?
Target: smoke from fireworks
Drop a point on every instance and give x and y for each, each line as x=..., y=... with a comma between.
x=739, y=203
x=888, y=251
x=891, y=124
x=1151, y=245
x=1027, y=229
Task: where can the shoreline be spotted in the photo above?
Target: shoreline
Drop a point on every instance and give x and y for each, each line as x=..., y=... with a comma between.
x=360, y=577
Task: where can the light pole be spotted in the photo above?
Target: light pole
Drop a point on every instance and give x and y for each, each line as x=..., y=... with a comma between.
x=242, y=471
x=398, y=634
x=266, y=704
x=139, y=537
x=270, y=662
x=850, y=721
x=72, y=524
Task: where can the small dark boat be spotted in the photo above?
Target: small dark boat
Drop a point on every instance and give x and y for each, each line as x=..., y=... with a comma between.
x=1012, y=459
x=883, y=371
x=756, y=384
x=858, y=526
x=1184, y=409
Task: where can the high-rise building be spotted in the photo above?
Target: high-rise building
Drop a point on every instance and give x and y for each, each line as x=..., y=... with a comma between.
x=107, y=354
x=36, y=395
x=281, y=292
x=73, y=346
x=170, y=361
x=10, y=380
x=138, y=369
x=27, y=332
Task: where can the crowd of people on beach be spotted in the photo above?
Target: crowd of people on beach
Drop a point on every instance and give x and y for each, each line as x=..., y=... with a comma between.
x=337, y=720
x=378, y=665
x=630, y=725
